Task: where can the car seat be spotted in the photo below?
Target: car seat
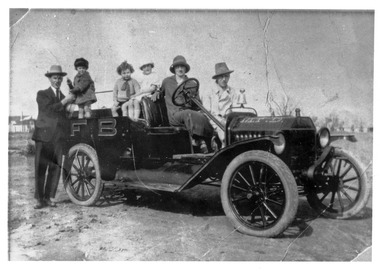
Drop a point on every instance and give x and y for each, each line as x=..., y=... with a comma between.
x=154, y=113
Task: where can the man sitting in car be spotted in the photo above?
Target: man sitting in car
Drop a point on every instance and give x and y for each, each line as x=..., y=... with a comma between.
x=221, y=97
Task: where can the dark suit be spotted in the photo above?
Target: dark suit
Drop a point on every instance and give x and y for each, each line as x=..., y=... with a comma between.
x=48, y=135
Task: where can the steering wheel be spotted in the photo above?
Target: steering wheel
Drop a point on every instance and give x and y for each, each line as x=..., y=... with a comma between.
x=185, y=91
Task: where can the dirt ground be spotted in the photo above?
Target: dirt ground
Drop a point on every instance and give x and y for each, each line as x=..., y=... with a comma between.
x=188, y=226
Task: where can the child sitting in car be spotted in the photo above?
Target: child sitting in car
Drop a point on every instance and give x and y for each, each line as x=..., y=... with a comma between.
x=148, y=81
x=124, y=90
x=83, y=88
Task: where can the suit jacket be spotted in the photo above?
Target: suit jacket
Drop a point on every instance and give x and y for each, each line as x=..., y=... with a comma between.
x=51, y=121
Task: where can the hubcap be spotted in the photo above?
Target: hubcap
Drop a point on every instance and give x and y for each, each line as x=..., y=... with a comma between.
x=81, y=176
x=257, y=195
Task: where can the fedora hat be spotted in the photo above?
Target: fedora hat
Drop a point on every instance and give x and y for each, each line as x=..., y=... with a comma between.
x=146, y=64
x=179, y=60
x=221, y=69
x=55, y=70
x=81, y=62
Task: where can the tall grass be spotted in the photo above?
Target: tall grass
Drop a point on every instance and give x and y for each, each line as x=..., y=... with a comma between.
x=21, y=142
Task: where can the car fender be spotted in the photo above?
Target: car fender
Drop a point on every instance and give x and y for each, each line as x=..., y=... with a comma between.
x=217, y=164
x=344, y=136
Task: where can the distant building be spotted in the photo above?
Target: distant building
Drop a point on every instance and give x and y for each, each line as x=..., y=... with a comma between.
x=18, y=124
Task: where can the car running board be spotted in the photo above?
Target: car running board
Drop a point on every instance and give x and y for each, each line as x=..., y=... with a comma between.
x=154, y=186
x=193, y=155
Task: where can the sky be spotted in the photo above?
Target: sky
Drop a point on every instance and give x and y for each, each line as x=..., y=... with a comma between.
x=322, y=61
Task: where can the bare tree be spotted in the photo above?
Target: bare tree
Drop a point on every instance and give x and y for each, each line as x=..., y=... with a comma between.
x=284, y=105
x=314, y=119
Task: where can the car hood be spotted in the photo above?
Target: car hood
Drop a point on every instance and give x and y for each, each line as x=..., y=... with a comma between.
x=247, y=123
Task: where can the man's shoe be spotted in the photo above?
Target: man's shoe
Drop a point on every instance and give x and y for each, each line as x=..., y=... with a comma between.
x=39, y=204
x=50, y=203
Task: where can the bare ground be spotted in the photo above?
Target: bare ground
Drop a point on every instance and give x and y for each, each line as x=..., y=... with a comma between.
x=188, y=226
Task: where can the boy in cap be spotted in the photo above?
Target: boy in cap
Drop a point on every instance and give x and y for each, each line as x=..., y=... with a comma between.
x=83, y=88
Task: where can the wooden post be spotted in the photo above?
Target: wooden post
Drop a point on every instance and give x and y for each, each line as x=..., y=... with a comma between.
x=22, y=123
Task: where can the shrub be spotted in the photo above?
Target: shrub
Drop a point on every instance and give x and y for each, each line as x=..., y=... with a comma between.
x=30, y=148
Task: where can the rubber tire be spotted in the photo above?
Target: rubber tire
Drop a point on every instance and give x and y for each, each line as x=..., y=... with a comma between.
x=365, y=191
x=288, y=182
x=91, y=153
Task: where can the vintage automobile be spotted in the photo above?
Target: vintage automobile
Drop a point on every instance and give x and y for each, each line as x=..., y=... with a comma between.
x=268, y=162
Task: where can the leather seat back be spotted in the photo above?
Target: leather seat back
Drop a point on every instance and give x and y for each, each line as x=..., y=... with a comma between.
x=154, y=113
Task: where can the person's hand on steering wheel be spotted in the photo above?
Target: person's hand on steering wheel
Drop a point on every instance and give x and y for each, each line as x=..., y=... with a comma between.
x=185, y=92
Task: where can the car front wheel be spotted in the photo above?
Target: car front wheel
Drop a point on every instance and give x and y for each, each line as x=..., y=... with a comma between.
x=259, y=194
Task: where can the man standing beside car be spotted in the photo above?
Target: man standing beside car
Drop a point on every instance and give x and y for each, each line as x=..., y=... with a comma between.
x=221, y=97
x=48, y=134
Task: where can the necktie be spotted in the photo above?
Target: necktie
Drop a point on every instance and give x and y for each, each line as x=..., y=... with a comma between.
x=125, y=87
x=57, y=93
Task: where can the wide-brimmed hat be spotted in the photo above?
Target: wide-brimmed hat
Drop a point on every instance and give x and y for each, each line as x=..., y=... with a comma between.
x=221, y=69
x=146, y=64
x=81, y=62
x=55, y=70
x=179, y=60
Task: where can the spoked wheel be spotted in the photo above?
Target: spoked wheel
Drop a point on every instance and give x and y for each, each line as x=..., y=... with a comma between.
x=84, y=185
x=188, y=88
x=259, y=194
x=346, y=188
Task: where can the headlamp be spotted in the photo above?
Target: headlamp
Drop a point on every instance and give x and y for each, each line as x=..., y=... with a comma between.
x=323, y=137
x=279, y=143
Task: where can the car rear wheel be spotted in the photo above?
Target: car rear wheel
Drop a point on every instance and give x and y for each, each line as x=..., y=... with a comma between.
x=84, y=185
x=259, y=194
x=346, y=190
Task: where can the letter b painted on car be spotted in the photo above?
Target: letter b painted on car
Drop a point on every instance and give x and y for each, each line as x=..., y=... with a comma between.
x=107, y=127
